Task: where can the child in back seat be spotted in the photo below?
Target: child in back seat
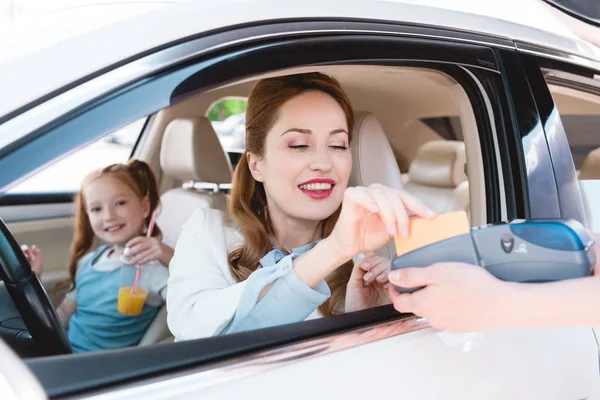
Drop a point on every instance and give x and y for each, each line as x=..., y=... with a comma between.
x=115, y=205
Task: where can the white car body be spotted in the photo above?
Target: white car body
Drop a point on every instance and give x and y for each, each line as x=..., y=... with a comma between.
x=407, y=360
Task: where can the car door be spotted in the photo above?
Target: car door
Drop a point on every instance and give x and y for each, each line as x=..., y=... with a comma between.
x=376, y=352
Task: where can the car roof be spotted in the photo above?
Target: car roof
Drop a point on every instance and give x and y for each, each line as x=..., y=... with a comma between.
x=37, y=74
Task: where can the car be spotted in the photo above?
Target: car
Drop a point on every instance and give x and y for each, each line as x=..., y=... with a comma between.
x=463, y=110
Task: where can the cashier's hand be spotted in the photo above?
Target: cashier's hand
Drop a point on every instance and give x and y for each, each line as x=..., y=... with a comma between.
x=457, y=298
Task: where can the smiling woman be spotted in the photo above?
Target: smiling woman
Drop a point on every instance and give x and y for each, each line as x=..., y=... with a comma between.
x=301, y=226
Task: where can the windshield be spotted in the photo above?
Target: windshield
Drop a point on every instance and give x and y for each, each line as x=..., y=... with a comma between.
x=587, y=11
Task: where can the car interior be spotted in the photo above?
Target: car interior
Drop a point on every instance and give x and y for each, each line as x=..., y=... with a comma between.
x=415, y=130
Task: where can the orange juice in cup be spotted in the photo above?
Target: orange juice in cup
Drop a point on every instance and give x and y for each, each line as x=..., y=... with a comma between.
x=131, y=303
x=134, y=283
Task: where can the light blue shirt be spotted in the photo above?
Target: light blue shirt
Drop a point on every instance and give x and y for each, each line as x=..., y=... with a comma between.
x=289, y=300
x=96, y=324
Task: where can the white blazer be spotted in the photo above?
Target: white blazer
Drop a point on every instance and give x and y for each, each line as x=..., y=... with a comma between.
x=203, y=295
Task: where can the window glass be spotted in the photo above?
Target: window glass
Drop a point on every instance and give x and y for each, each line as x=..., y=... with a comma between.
x=582, y=133
x=580, y=115
x=588, y=11
x=228, y=118
x=448, y=128
x=67, y=174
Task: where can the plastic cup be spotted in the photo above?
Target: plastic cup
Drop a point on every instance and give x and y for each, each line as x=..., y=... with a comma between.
x=132, y=303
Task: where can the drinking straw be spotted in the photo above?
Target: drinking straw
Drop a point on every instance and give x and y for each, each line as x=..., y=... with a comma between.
x=138, y=270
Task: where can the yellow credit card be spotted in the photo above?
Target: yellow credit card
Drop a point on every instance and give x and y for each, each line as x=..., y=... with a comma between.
x=424, y=231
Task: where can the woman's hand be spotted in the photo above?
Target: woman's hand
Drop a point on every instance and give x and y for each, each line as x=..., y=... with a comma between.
x=34, y=256
x=367, y=286
x=141, y=250
x=371, y=216
x=457, y=297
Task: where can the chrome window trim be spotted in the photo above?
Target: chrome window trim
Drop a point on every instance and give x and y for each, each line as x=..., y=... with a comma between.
x=225, y=371
x=63, y=103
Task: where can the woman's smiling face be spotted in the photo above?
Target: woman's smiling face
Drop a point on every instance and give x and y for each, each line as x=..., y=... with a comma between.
x=307, y=160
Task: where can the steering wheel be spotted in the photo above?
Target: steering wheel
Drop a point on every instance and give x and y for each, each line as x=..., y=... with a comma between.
x=30, y=298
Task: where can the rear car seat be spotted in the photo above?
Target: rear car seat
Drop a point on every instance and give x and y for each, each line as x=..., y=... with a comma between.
x=437, y=176
x=590, y=169
x=190, y=151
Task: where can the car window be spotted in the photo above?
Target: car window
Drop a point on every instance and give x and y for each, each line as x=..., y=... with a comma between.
x=448, y=128
x=445, y=148
x=67, y=174
x=583, y=135
x=444, y=193
x=579, y=111
x=228, y=119
x=587, y=11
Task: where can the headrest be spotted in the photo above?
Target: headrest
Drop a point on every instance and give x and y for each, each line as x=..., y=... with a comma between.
x=439, y=163
x=191, y=150
x=373, y=159
x=591, y=166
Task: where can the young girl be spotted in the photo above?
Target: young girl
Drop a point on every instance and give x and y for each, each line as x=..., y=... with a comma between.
x=114, y=205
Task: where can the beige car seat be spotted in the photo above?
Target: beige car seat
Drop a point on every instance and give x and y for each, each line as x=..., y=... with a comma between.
x=437, y=176
x=591, y=166
x=190, y=152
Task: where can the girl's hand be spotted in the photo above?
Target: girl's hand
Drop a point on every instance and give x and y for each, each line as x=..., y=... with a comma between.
x=371, y=216
x=457, y=297
x=368, y=283
x=141, y=250
x=34, y=256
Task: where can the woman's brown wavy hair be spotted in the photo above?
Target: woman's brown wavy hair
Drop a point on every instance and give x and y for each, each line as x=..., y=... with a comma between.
x=248, y=203
x=137, y=175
